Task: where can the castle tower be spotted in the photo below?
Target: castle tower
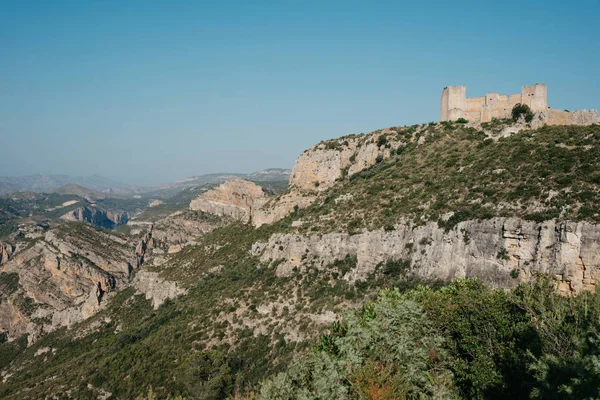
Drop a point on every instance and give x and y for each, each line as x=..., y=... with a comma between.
x=535, y=96
x=454, y=103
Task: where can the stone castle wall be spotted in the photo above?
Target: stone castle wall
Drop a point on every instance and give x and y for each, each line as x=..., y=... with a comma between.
x=455, y=105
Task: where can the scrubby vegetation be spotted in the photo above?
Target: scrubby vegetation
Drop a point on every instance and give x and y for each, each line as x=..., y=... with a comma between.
x=522, y=110
x=451, y=173
x=461, y=341
x=244, y=331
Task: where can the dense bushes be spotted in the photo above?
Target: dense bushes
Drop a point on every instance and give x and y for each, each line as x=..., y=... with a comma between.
x=388, y=349
x=464, y=340
x=207, y=375
x=461, y=175
x=522, y=109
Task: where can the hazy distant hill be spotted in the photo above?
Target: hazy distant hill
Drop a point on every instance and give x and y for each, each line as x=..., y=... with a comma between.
x=81, y=191
x=47, y=183
x=273, y=175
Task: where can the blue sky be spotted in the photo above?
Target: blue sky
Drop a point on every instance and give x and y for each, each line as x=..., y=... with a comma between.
x=150, y=91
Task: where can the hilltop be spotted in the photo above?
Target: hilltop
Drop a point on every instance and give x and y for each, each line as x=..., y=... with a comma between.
x=46, y=183
x=256, y=282
x=81, y=191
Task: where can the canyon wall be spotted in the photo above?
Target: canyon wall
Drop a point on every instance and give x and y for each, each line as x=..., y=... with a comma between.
x=501, y=252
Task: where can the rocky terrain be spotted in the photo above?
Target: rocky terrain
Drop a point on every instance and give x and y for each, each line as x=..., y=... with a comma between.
x=256, y=275
x=62, y=276
x=501, y=252
x=235, y=198
x=97, y=217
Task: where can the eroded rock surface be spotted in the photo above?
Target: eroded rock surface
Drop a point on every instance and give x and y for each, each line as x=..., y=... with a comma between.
x=97, y=217
x=488, y=249
x=319, y=167
x=281, y=206
x=62, y=275
x=6, y=251
x=155, y=288
x=183, y=228
x=236, y=198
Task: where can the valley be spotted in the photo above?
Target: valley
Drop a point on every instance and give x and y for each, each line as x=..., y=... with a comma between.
x=255, y=277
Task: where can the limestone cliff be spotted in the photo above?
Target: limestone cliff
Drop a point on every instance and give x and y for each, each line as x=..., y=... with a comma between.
x=281, y=206
x=316, y=170
x=143, y=249
x=489, y=249
x=183, y=228
x=319, y=167
x=236, y=198
x=154, y=288
x=62, y=274
x=97, y=217
x=6, y=251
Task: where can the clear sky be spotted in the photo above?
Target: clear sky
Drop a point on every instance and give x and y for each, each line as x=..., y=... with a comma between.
x=146, y=92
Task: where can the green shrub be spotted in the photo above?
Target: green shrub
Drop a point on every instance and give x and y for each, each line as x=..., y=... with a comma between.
x=486, y=337
x=522, y=109
x=316, y=376
x=462, y=121
x=206, y=375
x=9, y=282
x=389, y=347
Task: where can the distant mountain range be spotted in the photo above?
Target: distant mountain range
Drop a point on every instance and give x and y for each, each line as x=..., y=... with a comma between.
x=48, y=183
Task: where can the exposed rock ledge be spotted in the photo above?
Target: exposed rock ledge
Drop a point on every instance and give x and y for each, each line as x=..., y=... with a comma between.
x=247, y=202
x=6, y=251
x=235, y=198
x=151, y=285
x=97, y=217
x=488, y=249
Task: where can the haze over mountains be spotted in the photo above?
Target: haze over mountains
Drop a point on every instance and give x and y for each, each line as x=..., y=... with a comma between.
x=46, y=183
x=239, y=282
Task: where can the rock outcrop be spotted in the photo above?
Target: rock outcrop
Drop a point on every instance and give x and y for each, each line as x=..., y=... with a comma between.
x=489, y=249
x=63, y=274
x=97, y=217
x=6, y=251
x=282, y=206
x=143, y=249
x=235, y=198
x=154, y=288
x=318, y=168
x=182, y=228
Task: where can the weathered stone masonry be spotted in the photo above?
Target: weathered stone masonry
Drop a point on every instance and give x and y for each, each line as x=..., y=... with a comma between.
x=455, y=104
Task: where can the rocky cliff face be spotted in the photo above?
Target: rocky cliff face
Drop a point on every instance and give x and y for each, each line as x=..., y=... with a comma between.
x=316, y=170
x=235, y=198
x=319, y=167
x=183, y=228
x=6, y=251
x=281, y=206
x=154, y=288
x=97, y=217
x=63, y=275
x=143, y=249
x=490, y=249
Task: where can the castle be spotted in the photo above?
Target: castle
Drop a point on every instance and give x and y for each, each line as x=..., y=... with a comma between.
x=455, y=104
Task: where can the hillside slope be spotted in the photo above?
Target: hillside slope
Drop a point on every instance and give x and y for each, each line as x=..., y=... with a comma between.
x=396, y=208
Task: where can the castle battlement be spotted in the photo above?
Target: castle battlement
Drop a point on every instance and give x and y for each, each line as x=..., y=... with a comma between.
x=455, y=104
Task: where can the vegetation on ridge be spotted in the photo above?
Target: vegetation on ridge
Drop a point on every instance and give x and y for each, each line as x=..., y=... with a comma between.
x=450, y=173
x=462, y=341
x=241, y=327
